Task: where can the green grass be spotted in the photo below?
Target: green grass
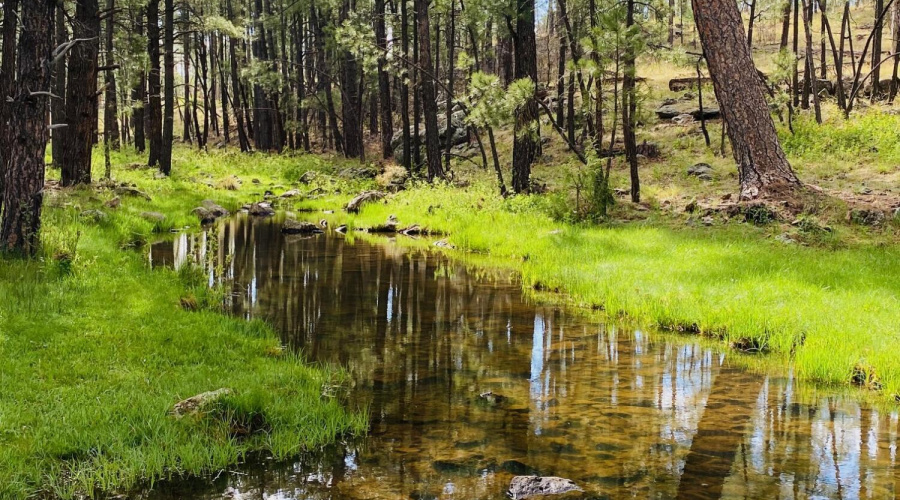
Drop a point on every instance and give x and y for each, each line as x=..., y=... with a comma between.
x=95, y=349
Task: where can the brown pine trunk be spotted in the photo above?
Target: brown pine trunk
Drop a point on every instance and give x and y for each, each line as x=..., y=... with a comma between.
x=350, y=97
x=81, y=96
x=429, y=96
x=629, y=110
x=404, y=89
x=111, y=108
x=154, y=99
x=24, y=185
x=384, y=84
x=785, y=24
x=186, y=47
x=238, y=107
x=139, y=94
x=763, y=168
x=58, y=104
x=527, y=138
x=876, y=49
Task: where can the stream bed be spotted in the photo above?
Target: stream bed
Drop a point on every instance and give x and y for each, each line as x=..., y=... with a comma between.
x=470, y=382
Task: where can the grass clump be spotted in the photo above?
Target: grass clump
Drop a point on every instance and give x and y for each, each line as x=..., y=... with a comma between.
x=96, y=349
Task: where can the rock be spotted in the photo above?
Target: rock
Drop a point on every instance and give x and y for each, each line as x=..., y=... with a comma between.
x=341, y=229
x=307, y=177
x=685, y=119
x=522, y=487
x=363, y=198
x=153, y=216
x=323, y=223
x=204, y=215
x=667, y=112
x=114, y=203
x=866, y=217
x=196, y=403
x=261, y=209
x=669, y=102
x=444, y=243
x=701, y=171
x=786, y=239
x=160, y=175
x=390, y=226
x=414, y=230
x=290, y=194
x=364, y=172
x=94, y=215
x=254, y=181
x=215, y=209
x=132, y=191
x=708, y=220
x=299, y=227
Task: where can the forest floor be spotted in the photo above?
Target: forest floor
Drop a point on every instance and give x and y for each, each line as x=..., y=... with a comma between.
x=96, y=349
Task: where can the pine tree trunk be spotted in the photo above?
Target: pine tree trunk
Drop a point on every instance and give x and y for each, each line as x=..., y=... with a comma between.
x=7, y=84
x=629, y=109
x=763, y=168
x=81, y=96
x=154, y=99
x=350, y=97
x=186, y=44
x=404, y=88
x=111, y=108
x=165, y=157
x=384, y=85
x=58, y=104
x=526, y=141
x=876, y=49
x=24, y=185
x=139, y=94
x=243, y=140
x=429, y=96
x=785, y=24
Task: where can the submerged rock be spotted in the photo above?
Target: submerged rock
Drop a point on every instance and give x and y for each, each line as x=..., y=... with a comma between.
x=444, y=243
x=196, y=403
x=522, y=487
x=299, y=227
x=362, y=198
x=492, y=398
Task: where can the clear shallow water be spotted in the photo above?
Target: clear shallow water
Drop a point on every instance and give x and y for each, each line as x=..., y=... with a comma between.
x=623, y=413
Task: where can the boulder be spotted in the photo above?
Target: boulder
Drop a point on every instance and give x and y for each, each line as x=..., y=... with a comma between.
x=307, y=177
x=393, y=177
x=701, y=171
x=362, y=198
x=261, y=209
x=153, y=216
x=670, y=111
x=363, y=172
x=522, y=487
x=214, y=209
x=866, y=217
x=204, y=215
x=299, y=227
x=290, y=194
x=390, y=226
x=195, y=404
x=131, y=191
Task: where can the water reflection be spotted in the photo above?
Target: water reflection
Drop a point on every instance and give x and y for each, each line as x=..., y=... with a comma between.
x=623, y=413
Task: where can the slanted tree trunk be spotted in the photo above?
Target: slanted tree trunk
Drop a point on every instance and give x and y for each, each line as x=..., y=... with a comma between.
x=58, y=104
x=24, y=186
x=81, y=95
x=139, y=93
x=165, y=157
x=154, y=99
x=527, y=137
x=429, y=96
x=763, y=168
x=111, y=108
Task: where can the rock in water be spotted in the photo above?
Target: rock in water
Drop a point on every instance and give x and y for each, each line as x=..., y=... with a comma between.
x=194, y=404
x=522, y=487
x=299, y=227
x=363, y=198
x=261, y=209
x=214, y=209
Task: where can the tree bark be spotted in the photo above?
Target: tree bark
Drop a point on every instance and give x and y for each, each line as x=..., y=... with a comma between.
x=785, y=24
x=404, y=88
x=350, y=97
x=24, y=185
x=57, y=105
x=384, y=84
x=429, y=96
x=527, y=137
x=81, y=96
x=763, y=168
x=7, y=84
x=154, y=99
x=165, y=158
x=111, y=108
x=139, y=93
x=186, y=47
x=629, y=108
x=239, y=111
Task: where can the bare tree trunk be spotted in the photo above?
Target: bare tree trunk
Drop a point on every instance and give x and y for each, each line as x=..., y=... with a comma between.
x=527, y=137
x=629, y=108
x=350, y=96
x=429, y=96
x=404, y=87
x=154, y=99
x=876, y=48
x=165, y=157
x=785, y=24
x=763, y=168
x=81, y=96
x=237, y=105
x=7, y=85
x=187, y=50
x=810, y=62
x=750, y=25
x=561, y=67
x=57, y=105
x=111, y=108
x=139, y=93
x=384, y=84
x=24, y=185
x=451, y=45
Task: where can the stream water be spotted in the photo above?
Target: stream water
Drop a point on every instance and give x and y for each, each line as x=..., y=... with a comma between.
x=624, y=413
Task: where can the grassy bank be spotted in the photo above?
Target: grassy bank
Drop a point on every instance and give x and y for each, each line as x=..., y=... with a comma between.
x=96, y=348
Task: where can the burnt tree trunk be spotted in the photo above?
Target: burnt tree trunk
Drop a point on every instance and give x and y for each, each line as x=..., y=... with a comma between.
x=111, y=108
x=24, y=185
x=527, y=138
x=429, y=96
x=81, y=96
x=763, y=168
x=7, y=84
x=785, y=25
x=154, y=99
